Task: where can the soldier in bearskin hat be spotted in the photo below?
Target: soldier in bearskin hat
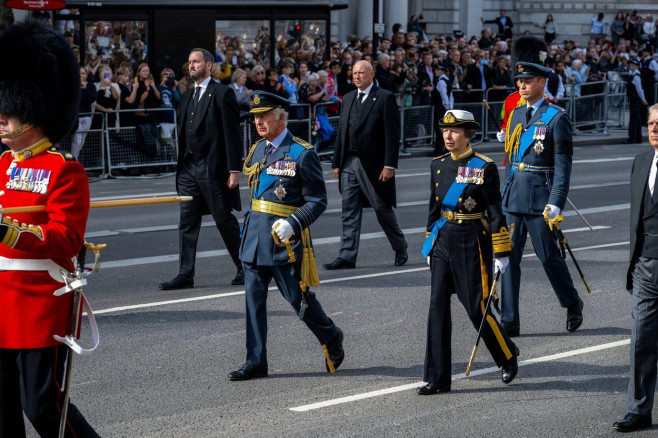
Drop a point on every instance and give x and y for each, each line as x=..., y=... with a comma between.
x=39, y=91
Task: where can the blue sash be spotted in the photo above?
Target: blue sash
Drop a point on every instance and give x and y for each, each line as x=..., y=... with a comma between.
x=449, y=203
x=527, y=140
x=265, y=180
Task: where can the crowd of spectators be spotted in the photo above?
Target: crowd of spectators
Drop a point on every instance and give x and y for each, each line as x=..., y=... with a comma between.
x=408, y=62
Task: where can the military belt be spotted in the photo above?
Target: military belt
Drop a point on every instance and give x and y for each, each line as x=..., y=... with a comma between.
x=272, y=208
x=452, y=216
x=523, y=167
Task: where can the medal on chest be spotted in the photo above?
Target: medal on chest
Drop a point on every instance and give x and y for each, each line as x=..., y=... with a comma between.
x=469, y=204
x=282, y=168
x=280, y=192
x=470, y=175
x=539, y=135
x=26, y=179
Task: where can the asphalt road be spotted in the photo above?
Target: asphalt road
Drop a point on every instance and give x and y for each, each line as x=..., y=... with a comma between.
x=161, y=369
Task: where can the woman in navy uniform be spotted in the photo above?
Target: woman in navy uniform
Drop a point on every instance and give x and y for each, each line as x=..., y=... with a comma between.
x=466, y=229
x=287, y=195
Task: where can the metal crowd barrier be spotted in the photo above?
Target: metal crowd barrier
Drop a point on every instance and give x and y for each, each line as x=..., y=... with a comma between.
x=332, y=111
x=416, y=126
x=93, y=142
x=588, y=111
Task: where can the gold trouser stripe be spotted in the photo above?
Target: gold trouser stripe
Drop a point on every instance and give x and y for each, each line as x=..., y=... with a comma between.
x=272, y=208
x=490, y=320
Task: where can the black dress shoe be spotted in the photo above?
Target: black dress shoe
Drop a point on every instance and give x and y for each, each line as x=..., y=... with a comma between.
x=432, y=388
x=239, y=277
x=179, y=282
x=336, y=352
x=575, y=316
x=339, y=264
x=509, y=371
x=248, y=372
x=512, y=330
x=632, y=422
x=401, y=256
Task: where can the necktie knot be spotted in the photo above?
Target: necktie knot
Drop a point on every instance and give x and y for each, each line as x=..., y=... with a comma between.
x=360, y=97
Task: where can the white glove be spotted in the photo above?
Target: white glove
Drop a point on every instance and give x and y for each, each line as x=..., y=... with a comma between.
x=429, y=260
x=552, y=211
x=283, y=229
x=501, y=264
x=500, y=135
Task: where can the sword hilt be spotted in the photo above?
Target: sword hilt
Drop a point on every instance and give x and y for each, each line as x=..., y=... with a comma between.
x=288, y=244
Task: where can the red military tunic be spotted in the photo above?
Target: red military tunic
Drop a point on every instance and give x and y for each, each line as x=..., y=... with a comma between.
x=39, y=175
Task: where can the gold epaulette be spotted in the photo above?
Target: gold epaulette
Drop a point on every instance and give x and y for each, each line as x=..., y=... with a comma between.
x=304, y=143
x=441, y=156
x=502, y=242
x=484, y=157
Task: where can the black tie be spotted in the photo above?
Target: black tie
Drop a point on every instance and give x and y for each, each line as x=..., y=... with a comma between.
x=359, y=98
x=528, y=115
x=195, y=99
x=654, y=196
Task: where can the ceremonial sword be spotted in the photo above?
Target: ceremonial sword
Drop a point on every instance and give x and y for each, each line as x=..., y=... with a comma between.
x=484, y=319
x=104, y=204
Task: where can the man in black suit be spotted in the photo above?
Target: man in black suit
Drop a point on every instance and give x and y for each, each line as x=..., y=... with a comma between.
x=641, y=281
x=504, y=25
x=209, y=163
x=364, y=161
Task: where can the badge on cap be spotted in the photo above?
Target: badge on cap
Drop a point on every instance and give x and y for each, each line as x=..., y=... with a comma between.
x=257, y=99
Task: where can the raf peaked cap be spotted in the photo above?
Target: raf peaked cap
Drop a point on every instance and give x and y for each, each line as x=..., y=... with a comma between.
x=530, y=70
x=459, y=119
x=264, y=102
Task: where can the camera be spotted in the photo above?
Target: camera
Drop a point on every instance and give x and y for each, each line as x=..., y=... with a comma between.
x=170, y=82
x=106, y=76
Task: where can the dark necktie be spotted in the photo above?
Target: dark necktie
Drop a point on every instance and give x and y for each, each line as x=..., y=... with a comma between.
x=528, y=115
x=654, y=196
x=195, y=98
x=359, y=98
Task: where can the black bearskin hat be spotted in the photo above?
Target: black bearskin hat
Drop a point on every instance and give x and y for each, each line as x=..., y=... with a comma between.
x=529, y=49
x=40, y=79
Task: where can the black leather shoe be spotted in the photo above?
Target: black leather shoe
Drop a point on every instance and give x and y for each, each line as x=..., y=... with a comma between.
x=632, y=422
x=248, y=372
x=401, y=256
x=575, y=316
x=512, y=330
x=339, y=264
x=239, y=277
x=432, y=388
x=179, y=282
x=509, y=371
x=336, y=352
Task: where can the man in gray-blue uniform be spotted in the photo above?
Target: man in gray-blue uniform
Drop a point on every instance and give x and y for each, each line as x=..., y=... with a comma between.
x=287, y=195
x=539, y=147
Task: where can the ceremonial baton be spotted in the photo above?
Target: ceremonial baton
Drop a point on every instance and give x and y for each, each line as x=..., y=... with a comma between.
x=580, y=214
x=484, y=318
x=564, y=240
x=491, y=114
x=104, y=204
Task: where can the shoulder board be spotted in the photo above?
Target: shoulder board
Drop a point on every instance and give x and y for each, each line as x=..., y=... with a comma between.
x=441, y=156
x=66, y=156
x=306, y=144
x=557, y=107
x=484, y=157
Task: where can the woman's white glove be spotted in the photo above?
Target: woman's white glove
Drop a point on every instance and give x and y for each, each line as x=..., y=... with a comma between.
x=500, y=135
x=283, y=229
x=501, y=264
x=429, y=260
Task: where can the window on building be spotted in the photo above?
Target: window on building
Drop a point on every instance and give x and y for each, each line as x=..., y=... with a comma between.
x=302, y=40
x=116, y=43
x=242, y=43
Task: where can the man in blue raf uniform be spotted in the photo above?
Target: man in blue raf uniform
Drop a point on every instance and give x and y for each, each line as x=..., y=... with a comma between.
x=287, y=196
x=539, y=147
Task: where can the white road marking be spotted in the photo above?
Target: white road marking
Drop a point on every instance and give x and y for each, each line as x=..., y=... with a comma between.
x=394, y=389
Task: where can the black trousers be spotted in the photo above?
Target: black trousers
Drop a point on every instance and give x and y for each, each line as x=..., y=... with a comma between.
x=30, y=382
x=637, y=115
x=194, y=179
x=461, y=263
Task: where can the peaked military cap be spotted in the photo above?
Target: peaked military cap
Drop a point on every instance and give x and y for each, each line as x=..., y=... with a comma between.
x=264, y=102
x=530, y=70
x=459, y=119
